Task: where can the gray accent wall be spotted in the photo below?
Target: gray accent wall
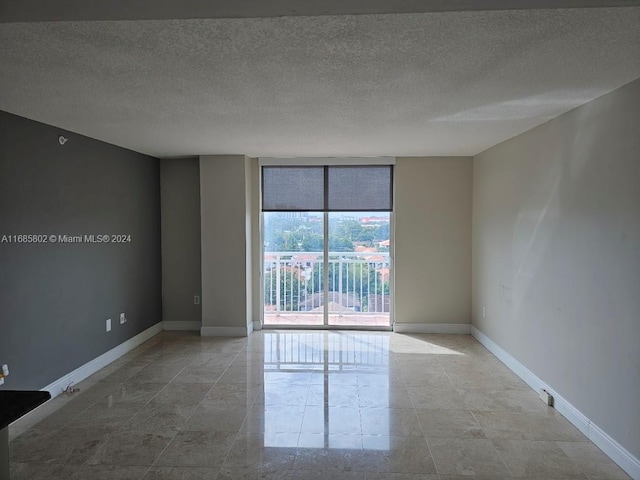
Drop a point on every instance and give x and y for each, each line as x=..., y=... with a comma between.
x=556, y=257
x=181, y=257
x=56, y=297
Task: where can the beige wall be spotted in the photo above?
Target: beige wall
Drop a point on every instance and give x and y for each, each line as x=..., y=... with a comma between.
x=180, y=209
x=556, y=257
x=225, y=205
x=433, y=240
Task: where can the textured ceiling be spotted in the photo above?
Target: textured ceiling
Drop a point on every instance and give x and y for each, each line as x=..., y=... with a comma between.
x=450, y=83
x=74, y=10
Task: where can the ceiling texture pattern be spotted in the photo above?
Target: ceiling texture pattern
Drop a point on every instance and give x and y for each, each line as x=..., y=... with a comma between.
x=409, y=84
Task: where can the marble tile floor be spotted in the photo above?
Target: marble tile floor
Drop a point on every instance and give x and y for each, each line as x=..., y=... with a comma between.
x=303, y=405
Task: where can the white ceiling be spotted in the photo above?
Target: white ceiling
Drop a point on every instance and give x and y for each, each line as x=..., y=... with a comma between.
x=74, y=10
x=448, y=83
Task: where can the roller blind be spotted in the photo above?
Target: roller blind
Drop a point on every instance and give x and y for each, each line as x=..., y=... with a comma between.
x=299, y=189
x=354, y=189
x=327, y=188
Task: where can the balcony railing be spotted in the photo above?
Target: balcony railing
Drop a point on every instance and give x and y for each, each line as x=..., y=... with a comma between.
x=358, y=282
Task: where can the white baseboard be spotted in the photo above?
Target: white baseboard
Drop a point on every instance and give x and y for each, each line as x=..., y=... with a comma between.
x=225, y=331
x=615, y=451
x=599, y=437
x=80, y=373
x=449, y=328
x=91, y=367
x=181, y=326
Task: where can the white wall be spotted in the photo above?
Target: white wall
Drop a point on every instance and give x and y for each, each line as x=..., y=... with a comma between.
x=225, y=211
x=556, y=257
x=180, y=209
x=433, y=241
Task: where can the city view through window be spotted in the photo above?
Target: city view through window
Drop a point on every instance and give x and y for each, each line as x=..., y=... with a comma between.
x=358, y=271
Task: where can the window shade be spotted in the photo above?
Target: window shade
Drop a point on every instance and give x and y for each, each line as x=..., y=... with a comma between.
x=363, y=189
x=328, y=188
x=293, y=189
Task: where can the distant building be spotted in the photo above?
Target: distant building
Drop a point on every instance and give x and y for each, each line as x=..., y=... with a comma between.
x=385, y=274
x=374, y=220
x=362, y=248
x=307, y=258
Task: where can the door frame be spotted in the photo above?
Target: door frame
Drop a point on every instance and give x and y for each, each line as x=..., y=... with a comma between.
x=328, y=161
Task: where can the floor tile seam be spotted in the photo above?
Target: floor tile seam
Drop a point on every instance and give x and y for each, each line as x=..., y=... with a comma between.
x=458, y=438
x=450, y=380
x=199, y=403
x=89, y=405
x=231, y=444
x=32, y=448
x=145, y=473
x=370, y=470
x=413, y=403
x=473, y=414
x=129, y=420
x=576, y=463
x=159, y=456
x=131, y=375
x=66, y=425
x=501, y=436
x=424, y=436
x=557, y=442
x=109, y=439
x=584, y=476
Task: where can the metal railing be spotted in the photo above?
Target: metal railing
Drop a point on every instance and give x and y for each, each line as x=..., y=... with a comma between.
x=358, y=282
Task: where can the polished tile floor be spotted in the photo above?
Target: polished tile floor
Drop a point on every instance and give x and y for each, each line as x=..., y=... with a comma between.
x=303, y=405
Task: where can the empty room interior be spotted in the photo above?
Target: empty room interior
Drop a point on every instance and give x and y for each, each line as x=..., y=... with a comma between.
x=309, y=240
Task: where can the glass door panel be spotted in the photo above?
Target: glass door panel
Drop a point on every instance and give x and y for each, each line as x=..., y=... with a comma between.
x=359, y=269
x=293, y=253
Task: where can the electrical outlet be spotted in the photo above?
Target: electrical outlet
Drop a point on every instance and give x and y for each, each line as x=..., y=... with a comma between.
x=196, y=299
x=5, y=369
x=123, y=319
x=108, y=324
x=484, y=311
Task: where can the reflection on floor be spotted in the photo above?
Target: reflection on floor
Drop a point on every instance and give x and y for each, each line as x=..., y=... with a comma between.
x=303, y=405
x=359, y=319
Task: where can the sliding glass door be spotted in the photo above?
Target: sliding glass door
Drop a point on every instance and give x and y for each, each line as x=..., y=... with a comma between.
x=293, y=268
x=359, y=269
x=327, y=243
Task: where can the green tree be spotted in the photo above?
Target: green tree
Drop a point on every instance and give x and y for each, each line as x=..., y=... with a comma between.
x=382, y=233
x=312, y=242
x=366, y=235
x=340, y=244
